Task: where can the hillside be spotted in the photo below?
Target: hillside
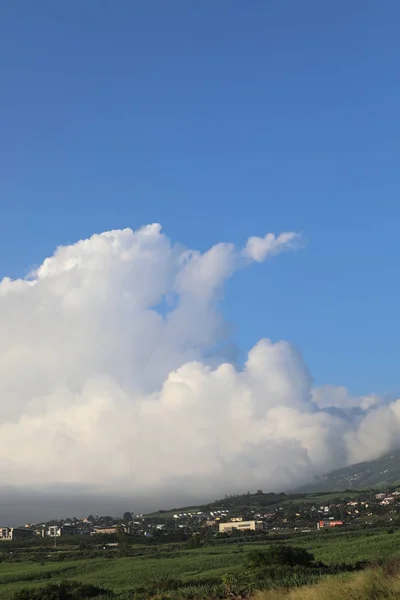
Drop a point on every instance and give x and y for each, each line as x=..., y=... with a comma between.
x=369, y=474
x=242, y=502
x=245, y=503
x=383, y=471
x=380, y=472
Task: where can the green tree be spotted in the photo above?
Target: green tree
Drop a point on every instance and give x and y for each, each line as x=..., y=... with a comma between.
x=280, y=555
x=123, y=541
x=194, y=541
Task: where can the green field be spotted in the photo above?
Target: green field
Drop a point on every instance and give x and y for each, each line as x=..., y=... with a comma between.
x=121, y=574
x=202, y=567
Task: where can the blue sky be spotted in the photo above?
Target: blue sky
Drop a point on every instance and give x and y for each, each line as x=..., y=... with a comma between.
x=219, y=120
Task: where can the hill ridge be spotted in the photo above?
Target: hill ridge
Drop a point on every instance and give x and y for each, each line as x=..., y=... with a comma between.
x=366, y=474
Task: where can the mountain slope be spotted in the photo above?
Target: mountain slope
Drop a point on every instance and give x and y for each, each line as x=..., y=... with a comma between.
x=380, y=472
x=385, y=470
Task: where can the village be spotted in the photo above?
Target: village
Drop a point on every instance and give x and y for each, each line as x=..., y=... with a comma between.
x=291, y=515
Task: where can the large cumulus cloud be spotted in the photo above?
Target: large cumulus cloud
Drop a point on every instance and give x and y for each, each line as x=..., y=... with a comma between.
x=104, y=381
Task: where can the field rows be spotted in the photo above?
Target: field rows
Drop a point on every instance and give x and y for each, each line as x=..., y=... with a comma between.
x=205, y=564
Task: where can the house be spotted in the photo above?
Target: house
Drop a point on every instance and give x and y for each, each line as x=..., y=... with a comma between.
x=54, y=531
x=14, y=533
x=106, y=530
x=210, y=523
x=386, y=501
x=241, y=526
x=5, y=533
x=325, y=524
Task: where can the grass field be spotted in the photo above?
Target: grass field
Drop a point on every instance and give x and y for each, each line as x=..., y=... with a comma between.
x=204, y=566
x=350, y=547
x=371, y=584
x=122, y=574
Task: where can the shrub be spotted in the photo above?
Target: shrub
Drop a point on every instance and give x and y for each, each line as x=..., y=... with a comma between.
x=63, y=591
x=167, y=584
x=155, y=588
x=194, y=541
x=239, y=584
x=280, y=555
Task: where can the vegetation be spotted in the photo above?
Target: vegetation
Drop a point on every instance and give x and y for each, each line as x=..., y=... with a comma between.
x=382, y=471
x=166, y=556
x=64, y=591
x=225, y=568
x=280, y=555
x=377, y=583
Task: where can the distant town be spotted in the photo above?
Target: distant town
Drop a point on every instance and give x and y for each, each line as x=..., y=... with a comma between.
x=245, y=514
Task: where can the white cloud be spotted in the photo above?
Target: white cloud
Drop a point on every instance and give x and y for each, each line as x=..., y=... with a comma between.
x=260, y=249
x=103, y=380
x=339, y=397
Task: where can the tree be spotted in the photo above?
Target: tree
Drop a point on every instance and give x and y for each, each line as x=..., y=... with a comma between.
x=123, y=541
x=269, y=568
x=280, y=555
x=127, y=516
x=194, y=541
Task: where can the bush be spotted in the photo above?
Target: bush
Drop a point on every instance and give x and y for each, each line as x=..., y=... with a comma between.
x=239, y=584
x=63, y=591
x=278, y=566
x=280, y=555
x=194, y=541
x=167, y=584
x=244, y=583
x=155, y=588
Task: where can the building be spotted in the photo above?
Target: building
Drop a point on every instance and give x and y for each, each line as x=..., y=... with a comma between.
x=85, y=527
x=387, y=501
x=5, y=533
x=106, y=530
x=69, y=529
x=326, y=524
x=210, y=523
x=241, y=526
x=133, y=527
x=14, y=533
